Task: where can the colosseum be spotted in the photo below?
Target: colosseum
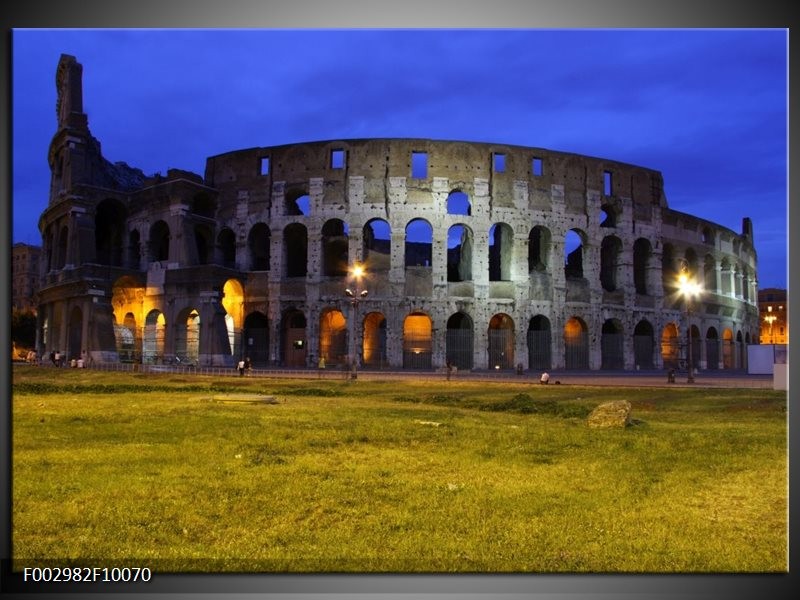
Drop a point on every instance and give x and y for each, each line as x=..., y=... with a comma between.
x=394, y=253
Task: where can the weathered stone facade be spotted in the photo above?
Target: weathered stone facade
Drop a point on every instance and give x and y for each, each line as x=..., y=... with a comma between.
x=486, y=255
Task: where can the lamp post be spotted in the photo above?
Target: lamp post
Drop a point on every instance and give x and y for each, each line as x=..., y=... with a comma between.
x=770, y=318
x=689, y=289
x=355, y=296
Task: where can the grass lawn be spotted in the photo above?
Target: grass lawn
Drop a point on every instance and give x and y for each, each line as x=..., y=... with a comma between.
x=155, y=471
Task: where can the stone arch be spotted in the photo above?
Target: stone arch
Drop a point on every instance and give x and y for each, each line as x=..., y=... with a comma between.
x=539, y=241
x=460, y=341
x=256, y=338
x=712, y=347
x=295, y=250
x=576, y=344
x=501, y=340
x=374, y=341
x=458, y=203
x=710, y=274
x=501, y=252
x=670, y=346
x=612, y=345
x=204, y=243
x=134, y=250
x=708, y=236
x=417, y=341
x=419, y=243
x=333, y=337
x=258, y=245
x=293, y=338
x=74, y=333
x=335, y=257
x=539, y=343
x=459, y=253
x=109, y=232
x=574, y=241
x=187, y=336
x=63, y=239
x=154, y=336
x=643, y=345
x=377, y=245
x=609, y=214
x=728, y=350
x=610, y=262
x=642, y=253
x=226, y=245
x=125, y=334
x=297, y=203
x=233, y=303
x=669, y=271
x=159, y=238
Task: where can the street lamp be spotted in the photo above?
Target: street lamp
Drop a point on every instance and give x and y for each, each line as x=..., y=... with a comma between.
x=689, y=289
x=355, y=296
x=770, y=318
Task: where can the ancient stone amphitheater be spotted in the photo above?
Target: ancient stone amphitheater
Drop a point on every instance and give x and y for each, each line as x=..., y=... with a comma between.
x=486, y=256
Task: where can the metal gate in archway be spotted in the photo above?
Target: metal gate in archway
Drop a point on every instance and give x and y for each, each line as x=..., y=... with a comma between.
x=539, y=353
x=576, y=351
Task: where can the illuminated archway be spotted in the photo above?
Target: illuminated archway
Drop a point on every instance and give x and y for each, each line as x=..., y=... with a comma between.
x=153, y=342
x=233, y=303
x=333, y=337
x=670, y=347
x=576, y=344
x=501, y=342
x=417, y=341
x=374, y=348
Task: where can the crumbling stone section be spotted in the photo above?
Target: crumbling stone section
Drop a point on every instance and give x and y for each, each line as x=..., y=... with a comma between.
x=486, y=256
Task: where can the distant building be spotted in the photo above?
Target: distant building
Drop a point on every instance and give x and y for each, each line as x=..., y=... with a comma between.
x=772, y=309
x=25, y=276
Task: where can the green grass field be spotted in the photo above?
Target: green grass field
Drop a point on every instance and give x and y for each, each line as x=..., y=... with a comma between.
x=157, y=471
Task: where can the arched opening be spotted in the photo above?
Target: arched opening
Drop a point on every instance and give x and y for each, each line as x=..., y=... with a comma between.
x=203, y=239
x=728, y=353
x=460, y=341
x=458, y=203
x=610, y=253
x=109, y=232
x=459, y=253
x=335, y=245
x=538, y=249
x=154, y=333
x=608, y=216
x=374, y=346
x=419, y=243
x=611, y=345
x=539, y=343
x=134, y=250
x=187, y=337
x=295, y=250
x=377, y=246
x=125, y=336
x=741, y=351
x=159, y=242
x=642, y=250
x=293, y=342
x=256, y=338
x=333, y=337
x=226, y=244
x=669, y=272
x=233, y=303
x=712, y=347
x=576, y=344
x=670, y=346
x=417, y=341
x=63, y=237
x=258, y=245
x=74, y=334
x=297, y=204
x=501, y=252
x=643, y=345
x=710, y=274
x=501, y=342
x=573, y=254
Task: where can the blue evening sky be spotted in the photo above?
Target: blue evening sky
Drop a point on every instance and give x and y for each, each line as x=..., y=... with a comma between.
x=707, y=108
